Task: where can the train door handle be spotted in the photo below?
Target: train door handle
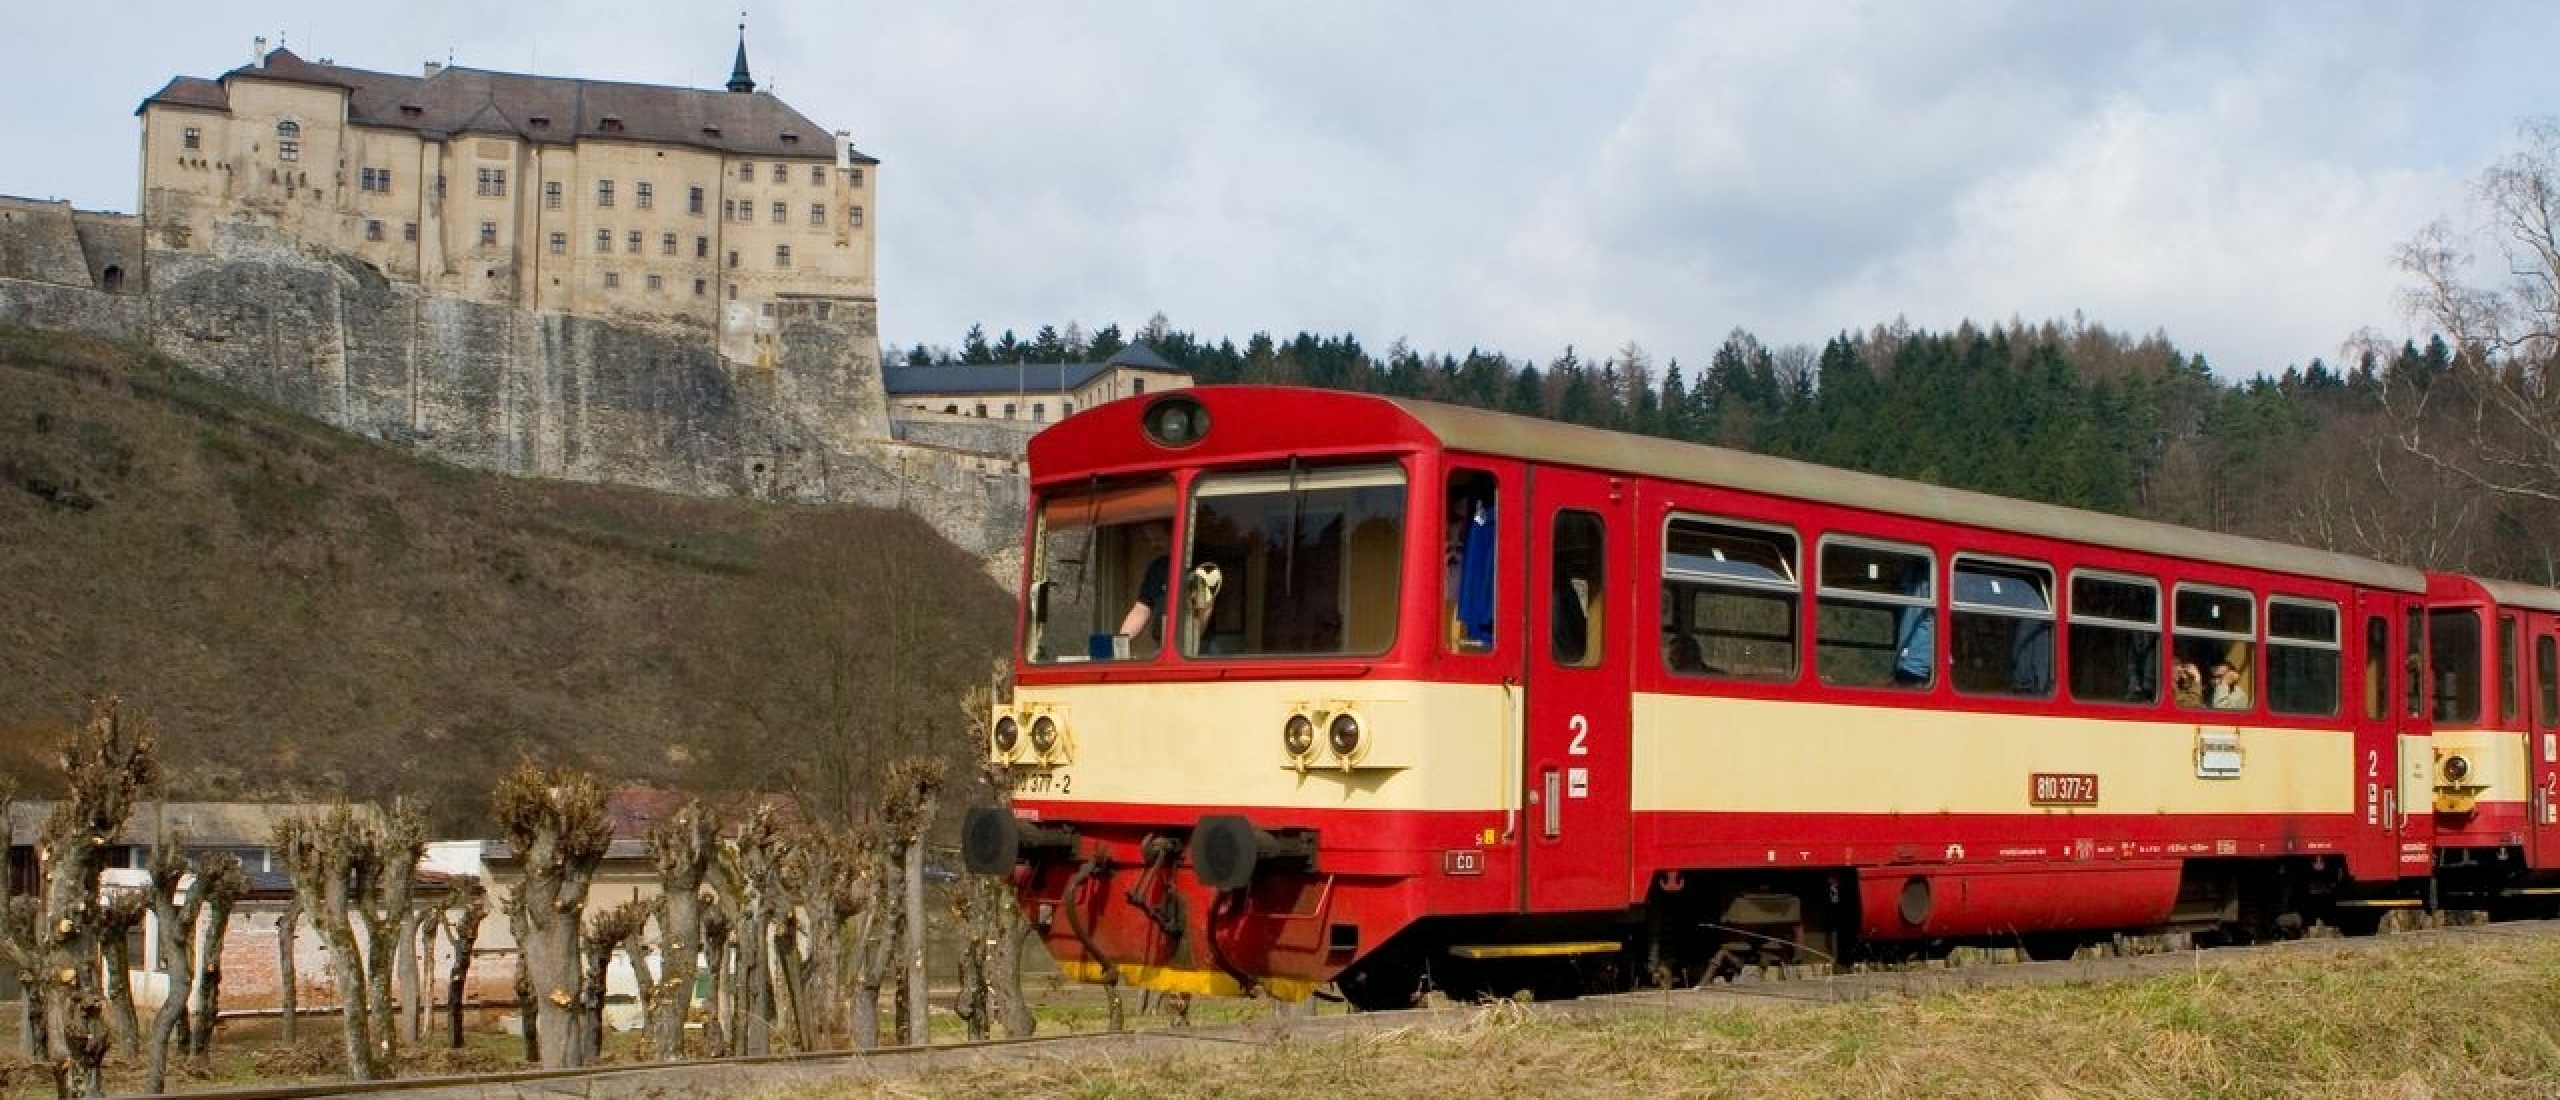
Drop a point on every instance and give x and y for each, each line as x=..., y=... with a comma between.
x=1552, y=804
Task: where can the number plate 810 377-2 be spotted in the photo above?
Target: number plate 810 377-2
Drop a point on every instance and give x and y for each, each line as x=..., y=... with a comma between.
x=2062, y=789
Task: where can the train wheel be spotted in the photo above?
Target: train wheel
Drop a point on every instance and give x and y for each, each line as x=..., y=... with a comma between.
x=1384, y=982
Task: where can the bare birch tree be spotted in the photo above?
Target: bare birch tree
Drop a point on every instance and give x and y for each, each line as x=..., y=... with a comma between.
x=2494, y=421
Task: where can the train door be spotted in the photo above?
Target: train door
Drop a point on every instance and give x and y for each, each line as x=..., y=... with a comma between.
x=2408, y=797
x=2385, y=751
x=1576, y=750
x=2542, y=743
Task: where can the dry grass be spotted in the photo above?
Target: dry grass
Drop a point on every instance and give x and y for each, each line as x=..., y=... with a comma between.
x=2470, y=1019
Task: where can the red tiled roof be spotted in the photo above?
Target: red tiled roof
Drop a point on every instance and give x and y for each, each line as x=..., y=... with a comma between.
x=547, y=109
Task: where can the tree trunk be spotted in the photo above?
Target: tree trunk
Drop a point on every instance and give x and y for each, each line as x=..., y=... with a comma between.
x=207, y=1008
x=288, y=987
x=124, y=1023
x=755, y=974
x=410, y=984
x=355, y=1022
x=528, y=1021
x=176, y=923
x=919, y=1020
x=464, y=933
x=679, y=959
x=794, y=982
x=715, y=951
x=551, y=966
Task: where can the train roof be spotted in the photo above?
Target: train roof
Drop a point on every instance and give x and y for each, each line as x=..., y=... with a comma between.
x=2515, y=594
x=1511, y=436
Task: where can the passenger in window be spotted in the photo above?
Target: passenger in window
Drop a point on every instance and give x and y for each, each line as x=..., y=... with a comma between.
x=2230, y=687
x=2189, y=685
x=1155, y=539
x=1682, y=653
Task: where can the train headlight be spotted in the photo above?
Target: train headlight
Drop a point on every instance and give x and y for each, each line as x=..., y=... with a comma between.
x=1008, y=736
x=1298, y=737
x=1044, y=735
x=1345, y=737
x=1177, y=421
x=2457, y=768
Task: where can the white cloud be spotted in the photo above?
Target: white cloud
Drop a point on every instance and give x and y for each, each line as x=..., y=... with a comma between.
x=1512, y=175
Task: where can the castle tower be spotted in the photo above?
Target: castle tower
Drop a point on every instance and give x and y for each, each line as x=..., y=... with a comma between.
x=739, y=81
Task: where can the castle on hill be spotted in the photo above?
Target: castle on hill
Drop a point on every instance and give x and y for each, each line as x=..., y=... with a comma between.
x=630, y=202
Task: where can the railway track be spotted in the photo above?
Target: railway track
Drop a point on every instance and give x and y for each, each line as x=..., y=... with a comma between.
x=1776, y=991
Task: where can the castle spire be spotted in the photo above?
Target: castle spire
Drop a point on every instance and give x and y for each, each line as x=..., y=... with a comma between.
x=739, y=81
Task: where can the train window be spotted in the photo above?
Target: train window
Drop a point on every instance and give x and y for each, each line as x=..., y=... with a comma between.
x=2216, y=641
x=1875, y=615
x=1729, y=597
x=2115, y=639
x=1294, y=562
x=2377, y=667
x=2510, y=693
x=1467, y=591
x=1099, y=554
x=1579, y=546
x=2000, y=627
x=2546, y=677
x=2303, y=656
x=2453, y=654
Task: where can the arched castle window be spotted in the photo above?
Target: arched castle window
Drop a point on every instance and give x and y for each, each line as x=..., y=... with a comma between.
x=288, y=140
x=113, y=277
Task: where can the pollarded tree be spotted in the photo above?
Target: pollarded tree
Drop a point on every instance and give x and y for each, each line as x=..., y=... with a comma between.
x=223, y=884
x=606, y=932
x=467, y=899
x=682, y=846
x=111, y=764
x=181, y=893
x=557, y=825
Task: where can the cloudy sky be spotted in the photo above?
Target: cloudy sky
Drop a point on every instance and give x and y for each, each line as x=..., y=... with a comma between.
x=1505, y=174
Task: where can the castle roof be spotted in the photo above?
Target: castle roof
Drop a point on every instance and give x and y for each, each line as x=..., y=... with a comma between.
x=544, y=109
x=1001, y=378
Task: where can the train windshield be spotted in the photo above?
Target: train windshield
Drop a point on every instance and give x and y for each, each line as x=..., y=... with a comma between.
x=1304, y=561
x=1101, y=573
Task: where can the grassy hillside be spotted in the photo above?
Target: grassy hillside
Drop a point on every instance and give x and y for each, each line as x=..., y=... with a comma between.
x=305, y=614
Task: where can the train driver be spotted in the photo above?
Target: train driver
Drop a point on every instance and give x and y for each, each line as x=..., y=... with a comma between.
x=1155, y=540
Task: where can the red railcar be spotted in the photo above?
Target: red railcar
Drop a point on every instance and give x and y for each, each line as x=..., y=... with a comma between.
x=2494, y=663
x=1317, y=688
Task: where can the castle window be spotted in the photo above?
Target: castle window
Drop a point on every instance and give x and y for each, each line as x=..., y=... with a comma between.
x=631, y=242
x=409, y=232
x=733, y=292
x=288, y=140
x=612, y=280
x=372, y=230
x=604, y=192
x=733, y=258
x=782, y=255
x=817, y=175
x=666, y=244
x=644, y=194
x=699, y=285
x=375, y=179
x=693, y=202
x=611, y=124
x=782, y=173
x=1008, y=410
x=855, y=176
x=767, y=309
x=559, y=244
x=656, y=283
x=781, y=213
x=604, y=240
x=747, y=172
x=728, y=209
x=817, y=213
x=193, y=138
x=488, y=234
x=551, y=194
x=493, y=183
x=702, y=248
x=1039, y=412
x=853, y=217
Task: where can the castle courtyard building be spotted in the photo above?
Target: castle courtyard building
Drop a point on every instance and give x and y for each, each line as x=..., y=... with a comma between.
x=630, y=202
